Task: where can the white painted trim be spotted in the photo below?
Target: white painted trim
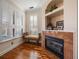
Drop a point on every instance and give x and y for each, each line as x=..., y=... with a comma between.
x=2, y=41
x=58, y=31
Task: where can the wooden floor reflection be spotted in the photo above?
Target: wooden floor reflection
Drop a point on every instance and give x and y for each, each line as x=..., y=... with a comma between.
x=29, y=51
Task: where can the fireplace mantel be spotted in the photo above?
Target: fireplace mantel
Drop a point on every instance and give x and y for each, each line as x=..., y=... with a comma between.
x=68, y=41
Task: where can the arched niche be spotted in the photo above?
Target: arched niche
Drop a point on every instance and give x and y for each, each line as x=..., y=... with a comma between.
x=52, y=3
x=54, y=15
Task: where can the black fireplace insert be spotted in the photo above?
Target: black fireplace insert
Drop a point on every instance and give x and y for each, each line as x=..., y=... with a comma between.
x=56, y=45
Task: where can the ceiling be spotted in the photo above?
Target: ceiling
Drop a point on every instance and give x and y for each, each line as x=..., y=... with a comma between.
x=25, y=4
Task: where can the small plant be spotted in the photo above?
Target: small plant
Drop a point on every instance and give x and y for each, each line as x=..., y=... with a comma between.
x=51, y=8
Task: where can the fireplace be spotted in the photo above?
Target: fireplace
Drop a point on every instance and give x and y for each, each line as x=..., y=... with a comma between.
x=56, y=45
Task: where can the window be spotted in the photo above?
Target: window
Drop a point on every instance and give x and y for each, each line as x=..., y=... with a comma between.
x=33, y=25
x=19, y=24
x=11, y=26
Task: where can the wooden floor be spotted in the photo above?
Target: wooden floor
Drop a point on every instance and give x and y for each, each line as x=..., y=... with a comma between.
x=29, y=51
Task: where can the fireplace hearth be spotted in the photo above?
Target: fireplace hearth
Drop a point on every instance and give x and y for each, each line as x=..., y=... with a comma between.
x=56, y=45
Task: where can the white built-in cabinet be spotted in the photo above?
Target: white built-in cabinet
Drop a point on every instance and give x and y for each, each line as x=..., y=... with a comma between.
x=11, y=20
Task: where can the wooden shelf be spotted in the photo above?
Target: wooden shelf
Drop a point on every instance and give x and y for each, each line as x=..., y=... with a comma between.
x=56, y=11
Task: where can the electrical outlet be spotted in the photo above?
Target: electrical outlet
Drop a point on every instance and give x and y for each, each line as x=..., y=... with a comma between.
x=12, y=43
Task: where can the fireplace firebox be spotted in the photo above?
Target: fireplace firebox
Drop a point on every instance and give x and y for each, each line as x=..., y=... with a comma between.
x=56, y=45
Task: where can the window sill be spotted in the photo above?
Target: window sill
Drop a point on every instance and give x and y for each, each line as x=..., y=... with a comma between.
x=5, y=40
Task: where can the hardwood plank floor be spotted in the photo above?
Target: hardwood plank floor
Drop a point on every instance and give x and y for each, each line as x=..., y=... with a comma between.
x=29, y=51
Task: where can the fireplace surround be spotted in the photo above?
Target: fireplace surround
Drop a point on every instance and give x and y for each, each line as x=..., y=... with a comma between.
x=68, y=41
x=56, y=45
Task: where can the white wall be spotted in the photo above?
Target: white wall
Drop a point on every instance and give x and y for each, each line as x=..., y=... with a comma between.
x=70, y=21
x=57, y=18
x=43, y=13
x=33, y=12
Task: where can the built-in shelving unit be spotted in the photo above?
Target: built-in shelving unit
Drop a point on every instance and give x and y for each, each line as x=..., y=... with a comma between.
x=54, y=15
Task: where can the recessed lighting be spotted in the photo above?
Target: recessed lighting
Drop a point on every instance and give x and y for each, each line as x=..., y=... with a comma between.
x=31, y=7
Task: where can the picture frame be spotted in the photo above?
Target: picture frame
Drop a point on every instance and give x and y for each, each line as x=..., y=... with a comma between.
x=60, y=25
